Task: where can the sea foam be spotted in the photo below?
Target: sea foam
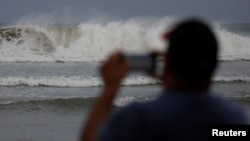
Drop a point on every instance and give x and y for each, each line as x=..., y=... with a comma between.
x=91, y=81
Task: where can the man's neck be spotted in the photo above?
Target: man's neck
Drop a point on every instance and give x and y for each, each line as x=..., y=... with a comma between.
x=174, y=84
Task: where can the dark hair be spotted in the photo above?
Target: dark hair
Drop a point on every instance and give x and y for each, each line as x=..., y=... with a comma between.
x=192, y=52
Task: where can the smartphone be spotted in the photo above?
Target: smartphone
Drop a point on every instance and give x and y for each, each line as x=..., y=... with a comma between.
x=142, y=62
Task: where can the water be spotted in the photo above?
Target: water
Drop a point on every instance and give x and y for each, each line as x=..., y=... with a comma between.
x=49, y=74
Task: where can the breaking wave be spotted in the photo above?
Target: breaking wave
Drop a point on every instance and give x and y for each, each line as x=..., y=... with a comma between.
x=93, y=41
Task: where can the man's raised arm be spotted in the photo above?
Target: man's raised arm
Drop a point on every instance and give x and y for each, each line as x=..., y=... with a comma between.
x=112, y=72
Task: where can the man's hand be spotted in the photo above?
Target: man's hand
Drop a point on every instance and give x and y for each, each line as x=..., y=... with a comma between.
x=114, y=69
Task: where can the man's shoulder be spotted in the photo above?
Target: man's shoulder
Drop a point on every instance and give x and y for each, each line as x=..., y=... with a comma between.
x=232, y=111
x=226, y=103
x=232, y=103
x=169, y=107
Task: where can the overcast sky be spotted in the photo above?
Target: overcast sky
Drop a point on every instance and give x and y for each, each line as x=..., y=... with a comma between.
x=66, y=11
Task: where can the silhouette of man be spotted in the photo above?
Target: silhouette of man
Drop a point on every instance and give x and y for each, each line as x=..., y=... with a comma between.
x=186, y=106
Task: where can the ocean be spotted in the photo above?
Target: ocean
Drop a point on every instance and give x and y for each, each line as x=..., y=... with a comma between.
x=49, y=73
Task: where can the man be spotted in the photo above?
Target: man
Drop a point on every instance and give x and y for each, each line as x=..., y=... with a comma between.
x=186, y=106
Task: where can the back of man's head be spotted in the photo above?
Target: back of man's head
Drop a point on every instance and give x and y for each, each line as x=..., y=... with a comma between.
x=192, y=52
